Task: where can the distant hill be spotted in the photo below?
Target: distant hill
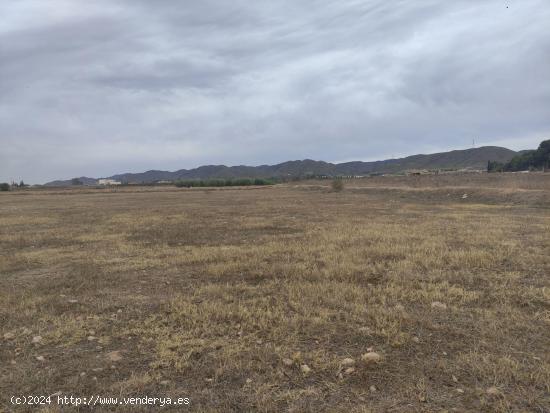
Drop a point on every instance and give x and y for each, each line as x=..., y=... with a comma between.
x=83, y=179
x=475, y=158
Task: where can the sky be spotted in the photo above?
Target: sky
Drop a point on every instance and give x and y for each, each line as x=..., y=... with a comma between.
x=94, y=88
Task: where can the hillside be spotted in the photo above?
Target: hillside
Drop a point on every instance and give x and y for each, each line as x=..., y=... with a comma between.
x=475, y=158
x=83, y=179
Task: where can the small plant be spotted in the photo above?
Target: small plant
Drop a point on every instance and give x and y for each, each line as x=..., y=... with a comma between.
x=337, y=185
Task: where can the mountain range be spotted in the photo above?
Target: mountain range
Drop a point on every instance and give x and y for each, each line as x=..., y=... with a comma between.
x=474, y=159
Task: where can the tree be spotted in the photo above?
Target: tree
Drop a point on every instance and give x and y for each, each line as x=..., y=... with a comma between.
x=4, y=186
x=494, y=166
x=76, y=181
x=539, y=159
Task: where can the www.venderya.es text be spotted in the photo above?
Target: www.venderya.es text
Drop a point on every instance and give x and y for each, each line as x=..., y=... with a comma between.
x=97, y=400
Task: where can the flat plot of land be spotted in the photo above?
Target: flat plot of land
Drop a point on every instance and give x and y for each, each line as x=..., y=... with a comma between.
x=251, y=299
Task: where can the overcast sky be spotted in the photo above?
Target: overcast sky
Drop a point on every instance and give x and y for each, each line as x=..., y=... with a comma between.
x=107, y=86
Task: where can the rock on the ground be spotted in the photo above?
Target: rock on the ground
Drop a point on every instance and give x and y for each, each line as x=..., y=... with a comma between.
x=371, y=357
x=114, y=356
x=305, y=368
x=348, y=362
x=439, y=305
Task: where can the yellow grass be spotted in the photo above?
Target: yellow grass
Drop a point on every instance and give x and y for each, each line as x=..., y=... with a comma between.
x=200, y=290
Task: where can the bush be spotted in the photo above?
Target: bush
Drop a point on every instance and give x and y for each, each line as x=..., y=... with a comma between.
x=337, y=185
x=4, y=186
x=194, y=183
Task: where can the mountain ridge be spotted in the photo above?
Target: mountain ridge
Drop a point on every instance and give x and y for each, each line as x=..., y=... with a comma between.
x=473, y=158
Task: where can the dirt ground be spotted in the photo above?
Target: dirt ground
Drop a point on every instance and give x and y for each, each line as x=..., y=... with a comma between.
x=268, y=299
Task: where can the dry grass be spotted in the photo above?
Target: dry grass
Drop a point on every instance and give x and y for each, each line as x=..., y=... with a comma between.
x=208, y=288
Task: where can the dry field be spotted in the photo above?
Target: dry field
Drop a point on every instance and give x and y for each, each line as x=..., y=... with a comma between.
x=250, y=300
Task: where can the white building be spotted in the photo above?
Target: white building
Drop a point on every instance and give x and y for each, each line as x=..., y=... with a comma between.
x=108, y=182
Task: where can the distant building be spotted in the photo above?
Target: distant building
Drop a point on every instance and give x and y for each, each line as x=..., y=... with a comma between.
x=108, y=182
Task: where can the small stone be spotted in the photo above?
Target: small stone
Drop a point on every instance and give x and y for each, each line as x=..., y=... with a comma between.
x=248, y=381
x=83, y=374
x=371, y=357
x=439, y=305
x=464, y=196
x=460, y=391
x=36, y=339
x=73, y=301
x=209, y=380
x=493, y=391
x=399, y=307
x=445, y=353
x=13, y=362
x=288, y=362
x=40, y=358
x=9, y=336
x=372, y=388
x=454, y=378
x=349, y=370
x=119, y=310
x=259, y=342
x=25, y=331
x=369, y=349
x=165, y=382
x=416, y=339
x=97, y=369
x=364, y=330
x=114, y=356
x=348, y=362
x=305, y=369
x=92, y=338
x=94, y=378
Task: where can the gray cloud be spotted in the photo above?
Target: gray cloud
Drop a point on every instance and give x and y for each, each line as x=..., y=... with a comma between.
x=96, y=88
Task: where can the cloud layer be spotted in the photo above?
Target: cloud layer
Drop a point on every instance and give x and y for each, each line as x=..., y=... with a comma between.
x=97, y=88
